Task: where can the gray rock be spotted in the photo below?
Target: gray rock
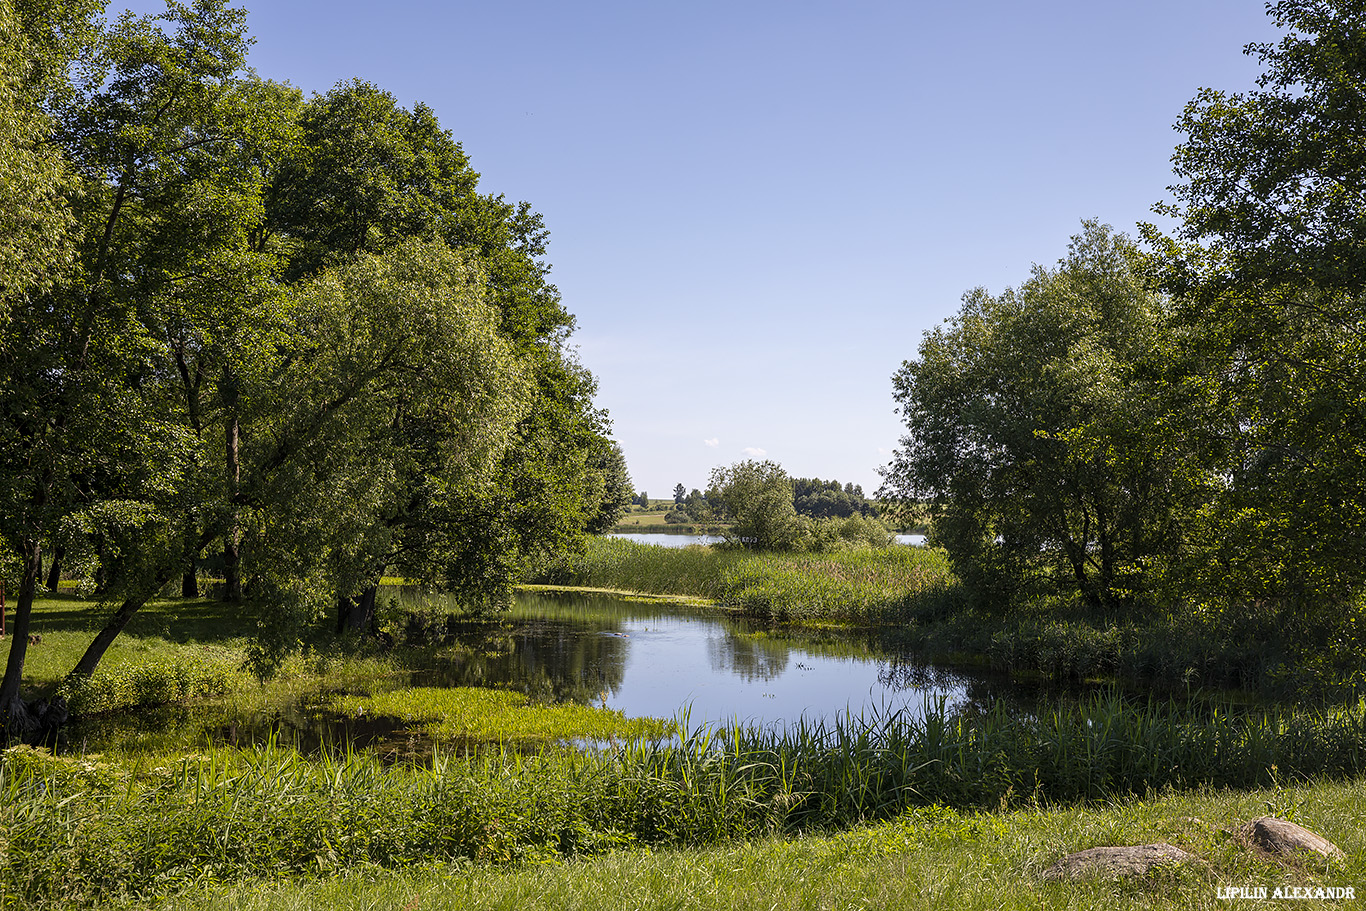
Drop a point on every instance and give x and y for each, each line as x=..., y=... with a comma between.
x=1283, y=838
x=1112, y=863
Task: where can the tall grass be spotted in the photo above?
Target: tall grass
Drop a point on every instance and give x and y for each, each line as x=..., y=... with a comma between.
x=77, y=831
x=861, y=585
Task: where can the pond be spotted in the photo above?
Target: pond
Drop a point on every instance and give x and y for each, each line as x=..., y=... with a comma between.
x=667, y=539
x=650, y=659
x=642, y=658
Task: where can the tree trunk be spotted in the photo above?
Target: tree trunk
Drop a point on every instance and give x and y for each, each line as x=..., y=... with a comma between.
x=232, y=579
x=91, y=659
x=19, y=721
x=189, y=584
x=54, y=573
x=357, y=614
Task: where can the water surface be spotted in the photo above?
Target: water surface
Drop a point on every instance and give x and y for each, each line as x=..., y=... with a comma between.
x=645, y=659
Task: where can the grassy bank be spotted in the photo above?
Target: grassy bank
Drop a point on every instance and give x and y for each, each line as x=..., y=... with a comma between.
x=84, y=833
x=957, y=798
x=925, y=859
x=183, y=662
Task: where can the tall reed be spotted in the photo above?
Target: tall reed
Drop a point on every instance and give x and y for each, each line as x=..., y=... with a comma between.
x=861, y=585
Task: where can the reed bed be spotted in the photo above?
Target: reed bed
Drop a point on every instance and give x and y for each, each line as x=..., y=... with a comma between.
x=79, y=832
x=855, y=585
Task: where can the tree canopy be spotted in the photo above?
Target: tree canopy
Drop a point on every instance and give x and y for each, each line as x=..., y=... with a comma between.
x=289, y=328
x=1038, y=432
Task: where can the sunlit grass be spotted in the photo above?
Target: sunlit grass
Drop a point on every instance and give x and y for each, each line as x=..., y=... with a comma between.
x=924, y=859
x=496, y=716
x=865, y=585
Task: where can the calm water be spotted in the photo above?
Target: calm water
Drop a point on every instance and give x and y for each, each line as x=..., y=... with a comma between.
x=673, y=539
x=667, y=539
x=644, y=660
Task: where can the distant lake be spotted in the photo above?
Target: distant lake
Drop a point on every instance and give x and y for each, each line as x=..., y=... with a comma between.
x=667, y=539
x=674, y=539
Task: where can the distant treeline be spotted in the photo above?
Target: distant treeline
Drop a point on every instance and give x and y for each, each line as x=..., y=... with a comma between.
x=810, y=497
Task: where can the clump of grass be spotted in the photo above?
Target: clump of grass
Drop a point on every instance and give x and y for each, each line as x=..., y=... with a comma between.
x=137, y=686
x=615, y=563
x=882, y=584
x=497, y=716
x=925, y=858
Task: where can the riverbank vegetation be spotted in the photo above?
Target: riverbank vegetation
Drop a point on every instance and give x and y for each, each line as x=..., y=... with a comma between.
x=924, y=859
x=851, y=585
x=288, y=343
x=914, y=595
x=83, y=830
x=1175, y=428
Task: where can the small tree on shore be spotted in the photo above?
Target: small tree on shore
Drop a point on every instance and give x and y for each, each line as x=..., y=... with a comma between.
x=758, y=497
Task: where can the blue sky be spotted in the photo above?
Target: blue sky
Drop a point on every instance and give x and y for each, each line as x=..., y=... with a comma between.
x=756, y=209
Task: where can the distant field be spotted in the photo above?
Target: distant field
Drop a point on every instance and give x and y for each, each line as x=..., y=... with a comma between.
x=639, y=519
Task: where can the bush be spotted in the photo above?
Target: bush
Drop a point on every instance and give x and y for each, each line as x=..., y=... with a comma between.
x=144, y=686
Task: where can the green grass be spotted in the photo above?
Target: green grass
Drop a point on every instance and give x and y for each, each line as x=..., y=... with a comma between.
x=926, y=858
x=864, y=585
x=494, y=716
x=84, y=830
x=949, y=810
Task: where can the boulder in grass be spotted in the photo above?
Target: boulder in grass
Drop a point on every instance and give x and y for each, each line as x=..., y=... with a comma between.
x=1116, y=862
x=1282, y=838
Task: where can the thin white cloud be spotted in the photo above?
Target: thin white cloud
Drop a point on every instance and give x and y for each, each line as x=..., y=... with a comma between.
x=713, y=442
x=754, y=452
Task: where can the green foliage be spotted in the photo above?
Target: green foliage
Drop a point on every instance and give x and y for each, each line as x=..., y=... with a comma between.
x=1274, y=180
x=144, y=685
x=925, y=858
x=828, y=499
x=1043, y=432
x=37, y=45
x=862, y=584
x=609, y=464
x=757, y=497
x=291, y=326
x=1268, y=269
x=84, y=832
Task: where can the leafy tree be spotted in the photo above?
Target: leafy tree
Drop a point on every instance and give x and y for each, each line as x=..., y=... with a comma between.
x=1040, y=429
x=609, y=463
x=1270, y=265
x=38, y=42
x=400, y=398
x=698, y=507
x=1274, y=180
x=91, y=429
x=827, y=499
x=680, y=494
x=758, y=498
x=368, y=174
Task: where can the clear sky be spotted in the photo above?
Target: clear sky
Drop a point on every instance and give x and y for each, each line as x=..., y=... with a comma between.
x=756, y=208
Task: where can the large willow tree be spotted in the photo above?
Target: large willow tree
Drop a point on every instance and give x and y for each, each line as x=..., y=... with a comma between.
x=290, y=332
x=1041, y=432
